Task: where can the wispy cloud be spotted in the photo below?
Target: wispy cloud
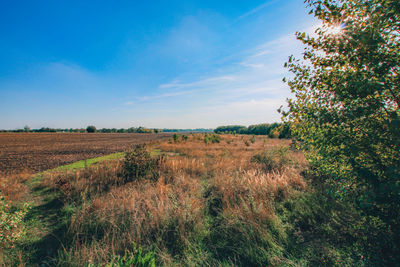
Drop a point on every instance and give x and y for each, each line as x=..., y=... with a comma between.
x=250, y=65
x=257, y=9
x=248, y=92
x=204, y=82
x=257, y=72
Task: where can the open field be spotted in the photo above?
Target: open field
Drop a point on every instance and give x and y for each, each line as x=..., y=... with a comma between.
x=196, y=200
x=35, y=152
x=92, y=215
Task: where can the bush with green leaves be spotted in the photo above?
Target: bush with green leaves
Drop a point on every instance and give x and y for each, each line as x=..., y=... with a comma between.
x=175, y=137
x=346, y=110
x=212, y=138
x=139, y=164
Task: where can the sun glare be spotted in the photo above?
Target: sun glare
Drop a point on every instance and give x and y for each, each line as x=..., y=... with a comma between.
x=334, y=29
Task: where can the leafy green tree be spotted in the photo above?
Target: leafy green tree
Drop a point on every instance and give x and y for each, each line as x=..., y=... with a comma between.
x=347, y=98
x=91, y=129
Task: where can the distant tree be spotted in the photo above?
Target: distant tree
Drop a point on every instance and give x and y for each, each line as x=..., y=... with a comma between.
x=91, y=129
x=27, y=128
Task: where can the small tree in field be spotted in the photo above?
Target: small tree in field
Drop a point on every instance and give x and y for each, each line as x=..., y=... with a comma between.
x=347, y=98
x=91, y=129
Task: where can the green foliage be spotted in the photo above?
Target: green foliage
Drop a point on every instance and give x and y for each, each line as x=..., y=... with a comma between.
x=346, y=113
x=175, y=137
x=91, y=129
x=143, y=130
x=253, y=139
x=211, y=138
x=273, y=159
x=138, y=164
x=135, y=258
x=284, y=131
x=179, y=138
x=323, y=231
x=230, y=129
x=11, y=223
x=273, y=130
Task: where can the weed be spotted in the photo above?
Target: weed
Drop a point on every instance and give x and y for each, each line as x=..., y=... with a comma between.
x=135, y=258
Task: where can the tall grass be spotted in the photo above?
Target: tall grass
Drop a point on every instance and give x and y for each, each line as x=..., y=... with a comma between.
x=210, y=205
x=197, y=203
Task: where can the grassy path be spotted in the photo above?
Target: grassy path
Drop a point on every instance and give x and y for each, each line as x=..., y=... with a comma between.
x=47, y=220
x=46, y=224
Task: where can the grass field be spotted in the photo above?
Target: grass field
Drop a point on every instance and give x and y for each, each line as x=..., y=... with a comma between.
x=208, y=200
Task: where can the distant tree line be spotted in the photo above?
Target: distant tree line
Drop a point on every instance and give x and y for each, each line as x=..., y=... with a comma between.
x=198, y=130
x=92, y=129
x=273, y=130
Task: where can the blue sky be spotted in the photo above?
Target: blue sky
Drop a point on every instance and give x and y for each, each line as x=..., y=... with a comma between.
x=161, y=64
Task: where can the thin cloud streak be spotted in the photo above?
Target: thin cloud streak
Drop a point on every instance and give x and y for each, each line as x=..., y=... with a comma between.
x=251, y=92
x=257, y=9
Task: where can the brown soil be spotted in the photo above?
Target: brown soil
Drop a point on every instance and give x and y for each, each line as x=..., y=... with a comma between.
x=35, y=152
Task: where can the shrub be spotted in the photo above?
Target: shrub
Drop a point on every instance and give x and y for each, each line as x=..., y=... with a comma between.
x=138, y=164
x=253, y=139
x=213, y=138
x=273, y=133
x=175, y=137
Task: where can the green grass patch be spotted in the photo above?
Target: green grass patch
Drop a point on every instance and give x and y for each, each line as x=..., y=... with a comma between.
x=88, y=162
x=156, y=152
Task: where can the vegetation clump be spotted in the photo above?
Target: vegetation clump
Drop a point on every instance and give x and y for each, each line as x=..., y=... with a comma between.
x=346, y=110
x=175, y=137
x=273, y=130
x=91, y=129
x=135, y=258
x=139, y=164
x=211, y=138
x=12, y=229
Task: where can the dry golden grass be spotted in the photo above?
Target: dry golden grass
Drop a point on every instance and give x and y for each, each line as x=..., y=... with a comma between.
x=163, y=214
x=13, y=187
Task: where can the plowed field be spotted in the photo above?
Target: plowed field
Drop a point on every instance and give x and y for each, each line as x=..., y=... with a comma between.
x=34, y=152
